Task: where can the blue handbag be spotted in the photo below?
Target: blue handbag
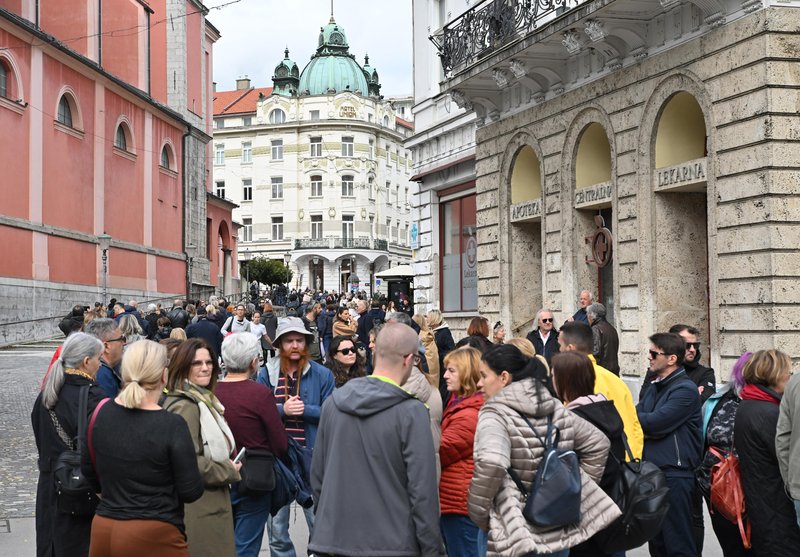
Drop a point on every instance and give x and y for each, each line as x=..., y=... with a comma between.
x=554, y=499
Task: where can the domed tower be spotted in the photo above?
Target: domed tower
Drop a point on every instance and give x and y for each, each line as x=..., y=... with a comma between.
x=371, y=74
x=286, y=79
x=333, y=69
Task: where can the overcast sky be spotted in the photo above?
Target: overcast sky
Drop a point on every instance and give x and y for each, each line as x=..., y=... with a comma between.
x=255, y=33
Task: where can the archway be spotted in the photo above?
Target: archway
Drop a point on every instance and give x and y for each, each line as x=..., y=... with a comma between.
x=224, y=258
x=681, y=214
x=525, y=238
x=594, y=195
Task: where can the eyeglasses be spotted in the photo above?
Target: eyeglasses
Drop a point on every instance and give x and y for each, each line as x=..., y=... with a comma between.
x=695, y=345
x=654, y=354
x=347, y=351
x=548, y=320
x=120, y=339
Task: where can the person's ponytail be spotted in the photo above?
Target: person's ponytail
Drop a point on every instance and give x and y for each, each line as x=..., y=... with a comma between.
x=143, y=368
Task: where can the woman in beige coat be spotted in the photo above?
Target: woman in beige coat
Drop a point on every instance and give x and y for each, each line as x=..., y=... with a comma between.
x=514, y=384
x=192, y=378
x=431, y=350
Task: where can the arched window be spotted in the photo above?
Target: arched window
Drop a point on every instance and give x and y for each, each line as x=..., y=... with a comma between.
x=386, y=121
x=120, y=141
x=3, y=80
x=277, y=116
x=65, y=111
x=165, y=157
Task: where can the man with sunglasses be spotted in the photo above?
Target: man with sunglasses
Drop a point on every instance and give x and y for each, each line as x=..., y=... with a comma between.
x=108, y=376
x=702, y=376
x=671, y=418
x=545, y=336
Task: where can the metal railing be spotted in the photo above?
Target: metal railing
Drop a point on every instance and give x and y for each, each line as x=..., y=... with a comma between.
x=341, y=243
x=490, y=25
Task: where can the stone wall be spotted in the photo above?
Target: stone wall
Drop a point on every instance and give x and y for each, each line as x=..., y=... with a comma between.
x=743, y=229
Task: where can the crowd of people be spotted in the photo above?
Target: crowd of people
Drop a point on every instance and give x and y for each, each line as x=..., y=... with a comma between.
x=204, y=422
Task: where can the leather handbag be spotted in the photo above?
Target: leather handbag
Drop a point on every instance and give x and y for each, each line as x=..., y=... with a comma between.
x=257, y=472
x=74, y=494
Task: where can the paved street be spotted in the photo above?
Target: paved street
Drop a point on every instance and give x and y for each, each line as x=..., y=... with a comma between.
x=20, y=376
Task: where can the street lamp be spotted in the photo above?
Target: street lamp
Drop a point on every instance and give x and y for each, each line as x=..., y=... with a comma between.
x=191, y=251
x=104, y=240
x=287, y=257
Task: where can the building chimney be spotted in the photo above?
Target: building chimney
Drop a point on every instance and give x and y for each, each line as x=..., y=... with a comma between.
x=214, y=86
x=243, y=83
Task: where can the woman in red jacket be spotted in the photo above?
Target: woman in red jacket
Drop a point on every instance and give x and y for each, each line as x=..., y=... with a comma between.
x=459, y=420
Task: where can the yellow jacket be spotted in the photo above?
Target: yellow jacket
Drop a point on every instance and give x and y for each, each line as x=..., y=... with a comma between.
x=617, y=391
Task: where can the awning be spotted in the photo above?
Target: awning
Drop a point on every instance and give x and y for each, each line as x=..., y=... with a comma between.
x=400, y=271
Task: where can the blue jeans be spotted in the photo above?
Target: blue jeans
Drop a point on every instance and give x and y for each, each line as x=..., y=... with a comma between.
x=676, y=538
x=250, y=515
x=797, y=510
x=460, y=536
x=280, y=544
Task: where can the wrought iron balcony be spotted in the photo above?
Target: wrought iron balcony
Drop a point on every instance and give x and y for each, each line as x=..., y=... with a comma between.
x=341, y=243
x=490, y=25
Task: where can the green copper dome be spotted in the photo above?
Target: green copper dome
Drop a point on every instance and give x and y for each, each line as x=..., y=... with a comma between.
x=332, y=69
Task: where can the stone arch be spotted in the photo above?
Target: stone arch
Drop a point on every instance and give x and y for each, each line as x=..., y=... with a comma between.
x=577, y=216
x=663, y=303
x=521, y=237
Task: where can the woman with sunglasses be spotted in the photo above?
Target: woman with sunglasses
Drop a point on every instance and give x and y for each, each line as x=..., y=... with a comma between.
x=343, y=360
x=498, y=333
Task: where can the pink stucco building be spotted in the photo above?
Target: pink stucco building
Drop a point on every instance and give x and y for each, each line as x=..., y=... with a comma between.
x=106, y=112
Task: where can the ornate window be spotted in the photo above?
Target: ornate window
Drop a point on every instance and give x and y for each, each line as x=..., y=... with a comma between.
x=166, y=157
x=347, y=186
x=316, y=186
x=64, y=111
x=121, y=138
x=3, y=79
x=315, y=147
x=277, y=116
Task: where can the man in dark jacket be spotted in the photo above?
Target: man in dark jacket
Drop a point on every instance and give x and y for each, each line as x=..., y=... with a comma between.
x=544, y=337
x=606, y=339
x=178, y=317
x=672, y=422
x=206, y=330
x=359, y=512
x=706, y=383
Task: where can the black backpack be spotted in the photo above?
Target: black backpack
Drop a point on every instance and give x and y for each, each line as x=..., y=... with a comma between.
x=641, y=493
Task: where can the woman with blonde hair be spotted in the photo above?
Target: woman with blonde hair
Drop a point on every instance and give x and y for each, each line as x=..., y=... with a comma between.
x=178, y=333
x=142, y=460
x=444, y=344
x=59, y=532
x=431, y=350
x=460, y=418
x=771, y=512
x=130, y=328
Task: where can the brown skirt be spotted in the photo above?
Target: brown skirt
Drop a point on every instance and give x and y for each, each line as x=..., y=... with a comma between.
x=134, y=538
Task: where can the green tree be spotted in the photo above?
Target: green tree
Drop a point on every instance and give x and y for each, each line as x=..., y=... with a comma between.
x=268, y=271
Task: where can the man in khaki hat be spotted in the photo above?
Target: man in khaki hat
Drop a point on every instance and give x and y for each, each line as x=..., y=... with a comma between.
x=300, y=386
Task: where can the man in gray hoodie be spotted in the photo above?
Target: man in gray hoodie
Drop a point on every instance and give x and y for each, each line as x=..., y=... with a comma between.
x=374, y=469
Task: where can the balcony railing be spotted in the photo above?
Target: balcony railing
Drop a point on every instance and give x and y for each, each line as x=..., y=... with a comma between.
x=341, y=243
x=490, y=25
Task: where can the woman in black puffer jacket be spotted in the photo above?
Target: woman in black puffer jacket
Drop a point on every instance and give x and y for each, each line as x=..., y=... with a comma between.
x=771, y=513
x=573, y=379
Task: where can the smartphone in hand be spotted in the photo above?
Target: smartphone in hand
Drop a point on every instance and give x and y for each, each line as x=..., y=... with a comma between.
x=239, y=456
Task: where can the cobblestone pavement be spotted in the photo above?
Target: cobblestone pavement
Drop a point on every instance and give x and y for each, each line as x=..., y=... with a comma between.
x=20, y=376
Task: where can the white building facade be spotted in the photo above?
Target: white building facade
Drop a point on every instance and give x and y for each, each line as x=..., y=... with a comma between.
x=318, y=168
x=444, y=209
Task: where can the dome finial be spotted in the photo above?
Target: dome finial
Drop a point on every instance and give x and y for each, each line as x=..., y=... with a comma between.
x=286, y=53
x=332, y=20
x=366, y=59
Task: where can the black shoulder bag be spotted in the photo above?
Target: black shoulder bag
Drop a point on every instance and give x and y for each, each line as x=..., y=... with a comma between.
x=554, y=500
x=75, y=495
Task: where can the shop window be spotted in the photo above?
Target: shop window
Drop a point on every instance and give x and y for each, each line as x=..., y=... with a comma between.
x=459, y=255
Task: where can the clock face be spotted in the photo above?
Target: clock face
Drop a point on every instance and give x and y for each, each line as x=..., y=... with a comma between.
x=282, y=72
x=337, y=38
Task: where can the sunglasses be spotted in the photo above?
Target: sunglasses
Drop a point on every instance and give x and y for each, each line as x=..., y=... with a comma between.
x=347, y=351
x=120, y=339
x=695, y=345
x=654, y=354
x=549, y=320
